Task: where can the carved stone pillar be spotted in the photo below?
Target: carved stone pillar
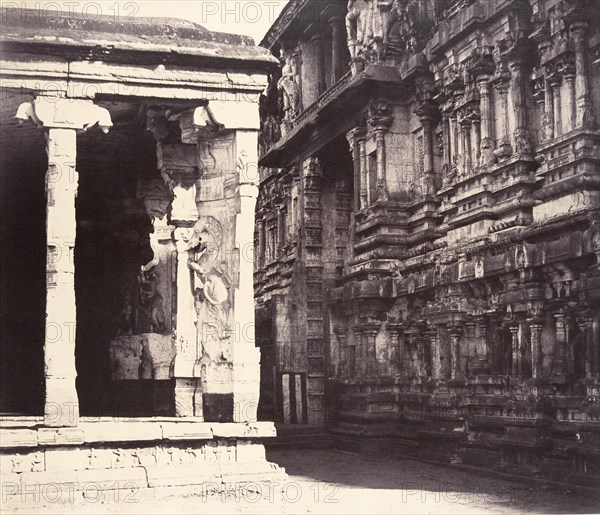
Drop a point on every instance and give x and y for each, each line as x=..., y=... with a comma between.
x=261, y=243
x=455, y=332
x=281, y=229
x=436, y=364
x=481, y=323
x=317, y=41
x=516, y=351
x=61, y=118
x=567, y=70
x=337, y=47
x=396, y=346
x=504, y=149
x=555, y=81
x=465, y=125
x=562, y=338
x=370, y=335
x=548, y=125
x=453, y=125
x=586, y=326
x=357, y=140
x=380, y=119
x=522, y=143
x=585, y=115
x=485, y=109
x=186, y=371
x=360, y=351
x=428, y=113
x=535, y=328
x=446, y=146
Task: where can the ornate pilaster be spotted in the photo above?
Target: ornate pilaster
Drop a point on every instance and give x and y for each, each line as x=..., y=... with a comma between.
x=61, y=118
x=567, y=70
x=515, y=328
x=317, y=41
x=380, y=119
x=562, y=337
x=521, y=138
x=357, y=140
x=501, y=80
x=337, y=47
x=436, y=364
x=585, y=115
x=555, y=80
x=482, y=70
x=428, y=114
x=455, y=332
x=535, y=328
x=586, y=326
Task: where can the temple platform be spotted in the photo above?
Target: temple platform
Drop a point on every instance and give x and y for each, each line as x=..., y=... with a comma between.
x=135, y=455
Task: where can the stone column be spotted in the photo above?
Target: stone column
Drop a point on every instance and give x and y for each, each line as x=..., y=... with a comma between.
x=585, y=115
x=428, y=114
x=317, y=41
x=455, y=332
x=485, y=109
x=516, y=351
x=465, y=125
x=357, y=140
x=535, y=328
x=186, y=371
x=522, y=143
x=370, y=334
x=261, y=243
x=245, y=355
x=548, y=109
x=586, y=326
x=62, y=118
x=380, y=119
x=562, y=338
x=359, y=352
x=453, y=125
x=555, y=81
x=436, y=365
x=476, y=139
x=396, y=350
x=504, y=149
x=481, y=323
x=567, y=70
x=446, y=146
x=338, y=45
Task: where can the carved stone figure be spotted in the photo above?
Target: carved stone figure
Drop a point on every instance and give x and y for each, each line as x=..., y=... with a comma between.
x=288, y=84
x=151, y=299
x=211, y=286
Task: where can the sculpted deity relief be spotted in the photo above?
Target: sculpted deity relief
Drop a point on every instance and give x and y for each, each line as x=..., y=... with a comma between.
x=211, y=286
x=288, y=84
x=376, y=27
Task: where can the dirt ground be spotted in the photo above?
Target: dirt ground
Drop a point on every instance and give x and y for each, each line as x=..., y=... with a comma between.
x=327, y=481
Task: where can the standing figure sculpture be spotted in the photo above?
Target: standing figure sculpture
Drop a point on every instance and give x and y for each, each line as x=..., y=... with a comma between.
x=211, y=288
x=288, y=84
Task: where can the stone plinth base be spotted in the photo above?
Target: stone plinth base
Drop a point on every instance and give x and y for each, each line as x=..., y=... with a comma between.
x=130, y=457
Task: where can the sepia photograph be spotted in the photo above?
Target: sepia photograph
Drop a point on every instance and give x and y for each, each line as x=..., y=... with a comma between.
x=300, y=256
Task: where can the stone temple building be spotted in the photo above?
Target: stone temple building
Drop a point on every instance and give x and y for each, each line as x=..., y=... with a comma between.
x=129, y=184
x=427, y=273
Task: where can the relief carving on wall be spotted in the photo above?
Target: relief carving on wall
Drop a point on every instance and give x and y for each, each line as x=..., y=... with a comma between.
x=211, y=286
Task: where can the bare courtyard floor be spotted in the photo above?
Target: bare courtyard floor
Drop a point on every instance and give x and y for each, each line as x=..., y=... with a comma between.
x=327, y=481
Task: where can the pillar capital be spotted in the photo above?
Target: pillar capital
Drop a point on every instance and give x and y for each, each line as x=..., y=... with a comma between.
x=64, y=113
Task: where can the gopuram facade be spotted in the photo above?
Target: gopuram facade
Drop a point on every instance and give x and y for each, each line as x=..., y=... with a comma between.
x=129, y=184
x=427, y=272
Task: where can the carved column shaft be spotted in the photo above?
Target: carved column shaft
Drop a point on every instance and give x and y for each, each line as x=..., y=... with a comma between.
x=365, y=190
x=319, y=62
x=562, y=337
x=446, y=148
x=455, y=334
x=356, y=139
x=556, y=118
x=535, y=327
x=586, y=326
x=436, y=364
x=466, y=145
x=337, y=47
x=569, y=105
x=517, y=88
x=62, y=406
x=382, y=193
x=548, y=111
x=485, y=108
x=516, y=351
x=585, y=115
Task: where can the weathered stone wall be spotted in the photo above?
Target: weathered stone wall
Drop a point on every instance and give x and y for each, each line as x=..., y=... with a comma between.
x=464, y=326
